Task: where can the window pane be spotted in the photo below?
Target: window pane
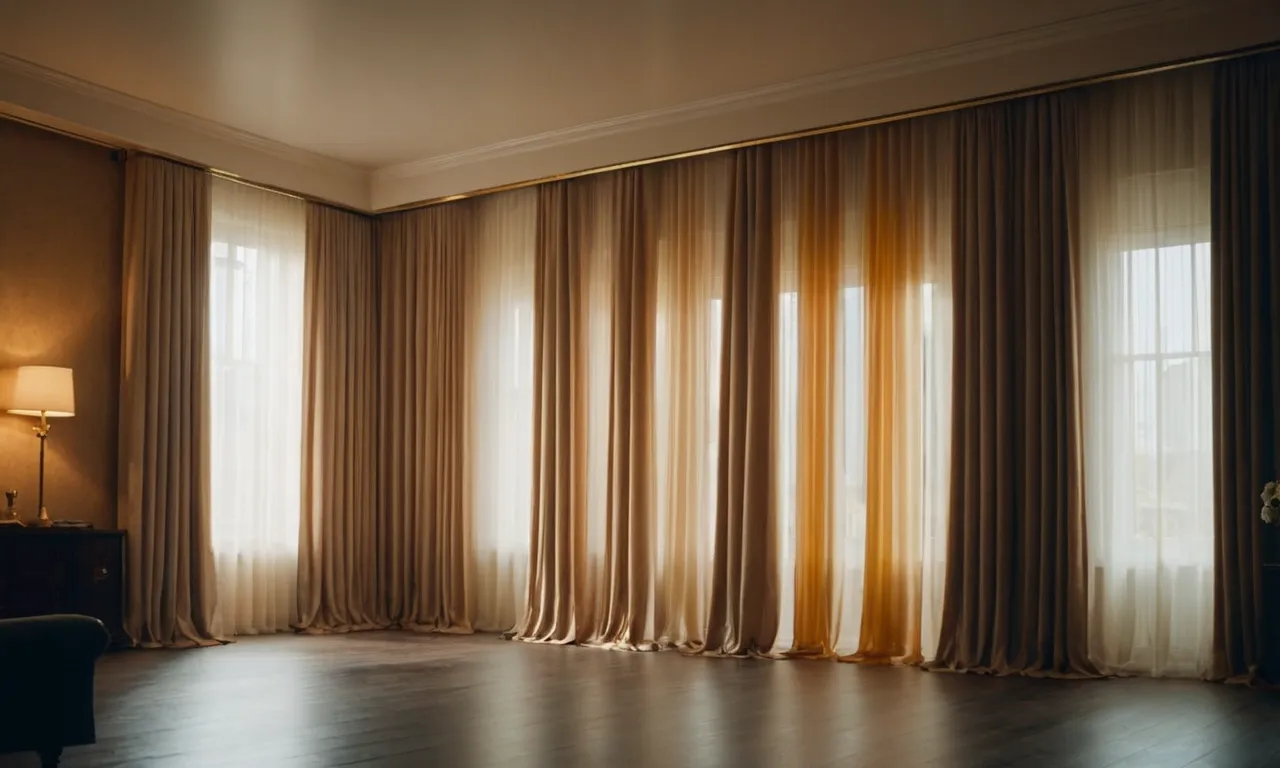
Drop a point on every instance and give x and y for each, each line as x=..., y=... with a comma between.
x=1142, y=302
x=1177, y=300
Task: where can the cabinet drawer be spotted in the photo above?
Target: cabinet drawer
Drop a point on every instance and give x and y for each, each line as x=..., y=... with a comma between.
x=44, y=571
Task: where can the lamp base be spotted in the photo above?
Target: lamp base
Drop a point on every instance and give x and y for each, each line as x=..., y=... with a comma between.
x=43, y=520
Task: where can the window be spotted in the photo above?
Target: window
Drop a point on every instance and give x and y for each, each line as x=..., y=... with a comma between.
x=255, y=346
x=1159, y=378
x=1146, y=367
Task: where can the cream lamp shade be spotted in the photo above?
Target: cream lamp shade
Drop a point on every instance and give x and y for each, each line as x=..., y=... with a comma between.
x=34, y=389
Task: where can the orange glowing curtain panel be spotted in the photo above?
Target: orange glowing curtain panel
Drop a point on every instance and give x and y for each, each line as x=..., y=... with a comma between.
x=816, y=163
x=893, y=260
x=863, y=371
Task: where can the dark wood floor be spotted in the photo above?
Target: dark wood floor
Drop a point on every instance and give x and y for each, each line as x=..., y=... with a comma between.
x=400, y=699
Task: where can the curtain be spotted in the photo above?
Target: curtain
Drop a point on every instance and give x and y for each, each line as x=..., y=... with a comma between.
x=811, y=400
x=864, y=388
x=906, y=252
x=744, y=603
x=570, y=337
x=1016, y=596
x=164, y=487
x=1245, y=281
x=625, y=331
x=499, y=407
x=1147, y=372
x=425, y=535
x=255, y=321
x=687, y=206
x=338, y=538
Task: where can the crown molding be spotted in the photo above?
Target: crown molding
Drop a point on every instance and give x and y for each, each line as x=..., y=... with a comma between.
x=172, y=117
x=36, y=93
x=1021, y=41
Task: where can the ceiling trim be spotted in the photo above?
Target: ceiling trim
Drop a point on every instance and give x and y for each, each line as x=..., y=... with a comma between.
x=208, y=128
x=1071, y=30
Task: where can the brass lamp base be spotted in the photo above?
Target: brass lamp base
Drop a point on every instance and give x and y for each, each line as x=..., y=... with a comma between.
x=43, y=520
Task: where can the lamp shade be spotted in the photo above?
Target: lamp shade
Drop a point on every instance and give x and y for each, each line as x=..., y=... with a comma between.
x=33, y=389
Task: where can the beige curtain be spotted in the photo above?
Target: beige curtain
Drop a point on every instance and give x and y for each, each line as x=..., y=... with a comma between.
x=338, y=538
x=1016, y=589
x=625, y=353
x=744, y=580
x=1245, y=288
x=687, y=207
x=572, y=323
x=628, y=576
x=164, y=405
x=498, y=435
x=424, y=547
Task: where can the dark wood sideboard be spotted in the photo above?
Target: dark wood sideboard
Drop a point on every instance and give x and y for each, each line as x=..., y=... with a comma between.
x=63, y=570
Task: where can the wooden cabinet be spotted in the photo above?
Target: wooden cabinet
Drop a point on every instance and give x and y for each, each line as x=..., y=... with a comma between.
x=63, y=570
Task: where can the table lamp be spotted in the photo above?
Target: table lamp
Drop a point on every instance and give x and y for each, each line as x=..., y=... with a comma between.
x=43, y=391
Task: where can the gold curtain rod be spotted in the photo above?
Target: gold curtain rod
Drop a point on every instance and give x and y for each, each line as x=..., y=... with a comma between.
x=863, y=123
x=229, y=176
x=846, y=126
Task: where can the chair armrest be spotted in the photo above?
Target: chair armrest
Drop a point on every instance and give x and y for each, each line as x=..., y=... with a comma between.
x=46, y=681
x=57, y=637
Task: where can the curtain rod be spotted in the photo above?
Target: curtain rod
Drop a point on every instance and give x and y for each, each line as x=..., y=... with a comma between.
x=850, y=125
x=238, y=179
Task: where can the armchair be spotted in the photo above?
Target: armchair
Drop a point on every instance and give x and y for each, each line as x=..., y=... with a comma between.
x=46, y=683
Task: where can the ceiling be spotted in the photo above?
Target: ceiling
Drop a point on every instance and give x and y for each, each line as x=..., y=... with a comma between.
x=380, y=84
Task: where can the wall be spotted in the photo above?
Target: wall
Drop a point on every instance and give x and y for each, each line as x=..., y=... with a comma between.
x=61, y=212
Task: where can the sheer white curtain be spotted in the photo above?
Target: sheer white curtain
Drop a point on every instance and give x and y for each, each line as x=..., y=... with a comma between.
x=500, y=406
x=1146, y=362
x=259, y=258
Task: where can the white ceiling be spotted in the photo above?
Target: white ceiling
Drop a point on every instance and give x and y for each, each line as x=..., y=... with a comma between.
x=383, y=85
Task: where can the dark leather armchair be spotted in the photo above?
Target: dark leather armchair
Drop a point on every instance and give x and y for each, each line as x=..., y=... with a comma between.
x=46, y=683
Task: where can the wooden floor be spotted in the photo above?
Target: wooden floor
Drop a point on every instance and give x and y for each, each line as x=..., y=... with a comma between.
x=401, y=699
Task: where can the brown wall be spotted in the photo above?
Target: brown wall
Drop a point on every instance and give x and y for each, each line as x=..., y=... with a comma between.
x=61, y=212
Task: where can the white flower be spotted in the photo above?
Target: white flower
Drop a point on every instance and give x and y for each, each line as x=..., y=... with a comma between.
x=1270, y=515
x=1269, y=492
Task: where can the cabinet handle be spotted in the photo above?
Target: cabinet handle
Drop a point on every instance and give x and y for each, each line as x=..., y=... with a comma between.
x=100, y=574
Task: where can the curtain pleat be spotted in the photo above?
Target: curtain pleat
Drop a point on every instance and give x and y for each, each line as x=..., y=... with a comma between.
x=497, y=439
x=1016, y=587
x=744, y=588
x=338, y=552
x=424, y=261
x=630, y=530
x=1245, y=284
x=164, y=496
x=863, y=386
x=557, y=555
x=819, y=273
x=894, y=234
x=593, y=514
x=625, y=316
x=686, y=204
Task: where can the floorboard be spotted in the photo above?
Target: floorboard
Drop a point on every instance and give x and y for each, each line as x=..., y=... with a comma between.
x=404, y=699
